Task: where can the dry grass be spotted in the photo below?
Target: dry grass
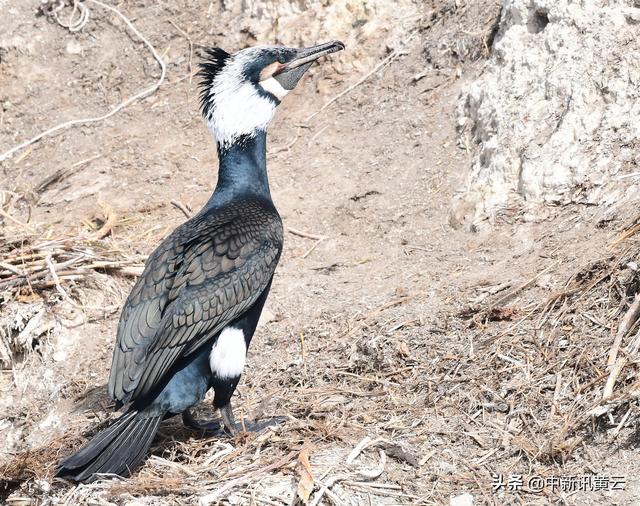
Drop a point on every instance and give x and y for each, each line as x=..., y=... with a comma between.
x=27, y=265
x=32, y=268
x=470, y=30
x=535, y=396
x=391, y=405
x=542, y=389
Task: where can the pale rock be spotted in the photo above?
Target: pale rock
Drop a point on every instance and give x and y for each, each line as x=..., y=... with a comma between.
x=366, y=27
x=266, y=317
x=59, y=356
x=73, y=47
x=465, y=499
x=555, y=114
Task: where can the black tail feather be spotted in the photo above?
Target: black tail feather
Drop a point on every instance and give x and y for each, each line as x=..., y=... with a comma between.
x=118, y=449
x=148, y=437
x=99, y=442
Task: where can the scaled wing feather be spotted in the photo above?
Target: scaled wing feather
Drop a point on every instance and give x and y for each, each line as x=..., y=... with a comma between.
x=212, y=271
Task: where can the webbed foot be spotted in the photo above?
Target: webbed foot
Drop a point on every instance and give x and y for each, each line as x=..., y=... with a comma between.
x=214, y=426
x=231, y=427
x=228, y=425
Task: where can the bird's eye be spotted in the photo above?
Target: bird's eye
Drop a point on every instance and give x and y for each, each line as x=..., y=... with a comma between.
x=281, y=59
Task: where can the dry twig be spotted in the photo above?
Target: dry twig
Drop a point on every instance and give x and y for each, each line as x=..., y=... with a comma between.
x=393, y=55
x=84, y=121
x=613, y=362
x=300, y=233
x=185, y=209
x=230, y=485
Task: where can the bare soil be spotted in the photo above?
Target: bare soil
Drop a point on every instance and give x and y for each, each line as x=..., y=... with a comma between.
x=433, y=342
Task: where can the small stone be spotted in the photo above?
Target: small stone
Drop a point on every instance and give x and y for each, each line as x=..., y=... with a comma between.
x=59, y=356
x=465, y=499
x=266, y=317
x=73, y=47
x=44, y=485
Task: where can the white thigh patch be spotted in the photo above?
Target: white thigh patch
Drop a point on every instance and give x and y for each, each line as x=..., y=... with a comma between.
x=228, y=354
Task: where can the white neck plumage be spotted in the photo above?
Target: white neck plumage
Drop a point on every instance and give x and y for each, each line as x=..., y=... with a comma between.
x=238, y=111
x=238, y=108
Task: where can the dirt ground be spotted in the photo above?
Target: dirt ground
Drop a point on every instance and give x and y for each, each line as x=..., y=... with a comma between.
x=438, y=344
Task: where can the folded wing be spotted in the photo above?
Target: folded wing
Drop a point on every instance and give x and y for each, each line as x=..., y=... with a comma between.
x=202, y=277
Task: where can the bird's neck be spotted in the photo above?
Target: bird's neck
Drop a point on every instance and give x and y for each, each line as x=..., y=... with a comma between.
x=243, y=168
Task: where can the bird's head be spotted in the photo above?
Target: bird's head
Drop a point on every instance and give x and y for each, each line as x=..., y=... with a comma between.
x=240, y=91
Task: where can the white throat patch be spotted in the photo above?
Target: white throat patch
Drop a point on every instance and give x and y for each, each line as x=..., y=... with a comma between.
x=274, y=87
x=228, y=354
x=237, y=107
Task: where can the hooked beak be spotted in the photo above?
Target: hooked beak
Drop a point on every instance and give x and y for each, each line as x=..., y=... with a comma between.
x=293, y=70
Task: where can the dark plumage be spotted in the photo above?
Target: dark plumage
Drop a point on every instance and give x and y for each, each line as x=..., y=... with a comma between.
x=206, y=273
x=190, y=317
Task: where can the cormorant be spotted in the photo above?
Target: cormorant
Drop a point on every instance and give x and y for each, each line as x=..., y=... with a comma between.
x=189, y=319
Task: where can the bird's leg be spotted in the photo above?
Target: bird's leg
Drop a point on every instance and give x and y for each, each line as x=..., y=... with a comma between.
x=210, y=426
x=228, y=419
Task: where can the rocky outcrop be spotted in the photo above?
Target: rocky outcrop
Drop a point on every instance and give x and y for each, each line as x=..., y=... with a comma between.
x=363, y=25
x=554, y=117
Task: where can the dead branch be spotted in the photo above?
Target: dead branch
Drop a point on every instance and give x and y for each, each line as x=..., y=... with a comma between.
x=230, y=485
x=306, y=235
x=84, y=121
x=396, y=53
x=185, y=210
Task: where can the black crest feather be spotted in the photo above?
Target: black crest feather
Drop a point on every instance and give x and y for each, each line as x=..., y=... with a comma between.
x=214, y=60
